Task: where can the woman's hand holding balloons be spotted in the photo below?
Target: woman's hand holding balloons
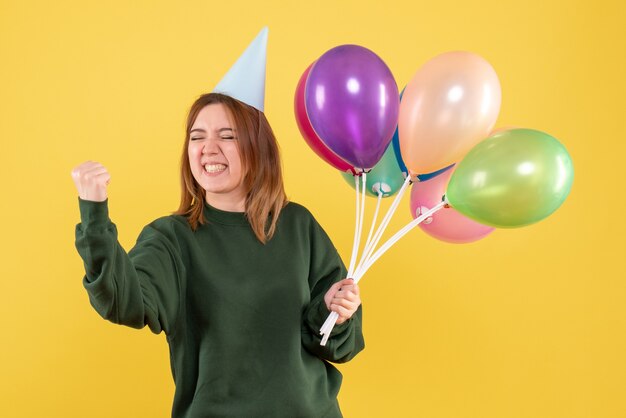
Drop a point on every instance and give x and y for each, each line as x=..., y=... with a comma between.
x=343, y=298
x=91, y=180
x=347, y=109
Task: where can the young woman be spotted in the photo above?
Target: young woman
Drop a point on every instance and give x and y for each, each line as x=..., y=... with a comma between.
x=239, y=279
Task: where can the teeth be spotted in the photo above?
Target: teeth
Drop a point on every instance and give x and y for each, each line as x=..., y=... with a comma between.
x=214, y=168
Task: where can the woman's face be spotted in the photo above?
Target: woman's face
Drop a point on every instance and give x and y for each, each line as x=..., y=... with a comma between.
x=214, y=158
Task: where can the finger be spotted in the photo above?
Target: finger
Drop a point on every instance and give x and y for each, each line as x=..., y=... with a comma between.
x=341, y=311
x=355, y=289
x=341, y=320
x=348, y=292
x=84, y=169
x=96, y=175
x=91, y=179
x=346, y=303
x=348, y=307
x=350, y=298
x=88, y=165
x=336, y=289
x=345, y=282
x=80, y=169
x=330, y=294
x=78, y=175
x=343, y=316
x=337, y=285
x=93, y=186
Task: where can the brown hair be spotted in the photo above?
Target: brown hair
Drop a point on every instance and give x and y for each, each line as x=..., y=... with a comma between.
x=260, y=159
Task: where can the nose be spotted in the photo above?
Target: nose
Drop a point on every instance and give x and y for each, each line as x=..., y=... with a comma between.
x=209, y=147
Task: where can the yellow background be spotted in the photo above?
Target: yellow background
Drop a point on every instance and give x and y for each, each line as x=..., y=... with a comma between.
x=527, y=323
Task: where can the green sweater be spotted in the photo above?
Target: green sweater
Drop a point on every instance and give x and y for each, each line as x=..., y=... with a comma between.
x=241, y=318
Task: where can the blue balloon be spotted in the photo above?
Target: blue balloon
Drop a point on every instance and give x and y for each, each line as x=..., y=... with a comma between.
x=395, y=140
x=424, y=177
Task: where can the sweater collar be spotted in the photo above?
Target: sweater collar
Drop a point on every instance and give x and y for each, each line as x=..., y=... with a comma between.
x=223, y=217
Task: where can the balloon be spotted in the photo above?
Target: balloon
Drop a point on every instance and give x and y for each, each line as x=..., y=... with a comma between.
x=307, y=131
x=502, y=129
x=385, y=176
x=428, y=176
x=395, y=140
x=451, y=104
x=512, y=179
x=352, y=102
x=447, y=224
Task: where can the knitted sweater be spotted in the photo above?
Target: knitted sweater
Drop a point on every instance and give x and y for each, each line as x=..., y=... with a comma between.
x=241, y=318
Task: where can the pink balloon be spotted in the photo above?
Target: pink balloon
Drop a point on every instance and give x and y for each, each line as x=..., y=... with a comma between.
x=447, y=224
x=307, y=131
x=450, y=105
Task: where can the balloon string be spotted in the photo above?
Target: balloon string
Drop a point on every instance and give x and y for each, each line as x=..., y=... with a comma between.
x=355, y=245
x=369, y=236
x=383, y=226
x=363, y=190
x=328, y=327
x=374, y=219
x=329, y=324
x=391, y=241
x=332, y=319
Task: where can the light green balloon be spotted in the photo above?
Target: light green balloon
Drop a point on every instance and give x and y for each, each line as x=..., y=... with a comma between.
x=512, y=179
x=386, y=176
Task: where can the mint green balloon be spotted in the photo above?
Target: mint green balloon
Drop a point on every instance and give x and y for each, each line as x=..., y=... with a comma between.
x=512, y=179
x=386, y=176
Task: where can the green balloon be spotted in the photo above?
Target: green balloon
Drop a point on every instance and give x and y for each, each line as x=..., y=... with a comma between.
x=512, y=179
x=386, y=176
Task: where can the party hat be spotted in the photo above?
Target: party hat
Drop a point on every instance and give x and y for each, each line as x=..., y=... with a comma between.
x=245, y=81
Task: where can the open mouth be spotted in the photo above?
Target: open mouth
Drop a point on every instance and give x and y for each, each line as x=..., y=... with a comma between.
x=214, y=168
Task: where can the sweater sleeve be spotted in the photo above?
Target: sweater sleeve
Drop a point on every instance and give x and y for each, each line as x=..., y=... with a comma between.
x=135, y=289
x=346, y=340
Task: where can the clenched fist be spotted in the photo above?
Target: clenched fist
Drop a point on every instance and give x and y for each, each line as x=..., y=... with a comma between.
x=344, y=298
x=91, y=179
